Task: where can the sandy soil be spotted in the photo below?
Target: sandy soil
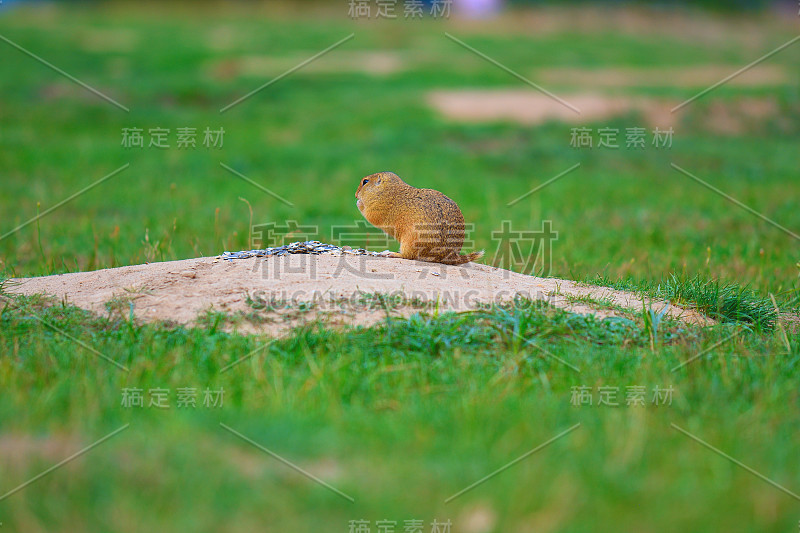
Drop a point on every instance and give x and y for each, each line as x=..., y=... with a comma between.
x=272, y=295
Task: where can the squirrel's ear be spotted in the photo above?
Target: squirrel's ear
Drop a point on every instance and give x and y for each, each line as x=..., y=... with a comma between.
x=379, y=181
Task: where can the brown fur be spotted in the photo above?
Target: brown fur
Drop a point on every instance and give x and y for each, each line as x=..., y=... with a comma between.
x=428, y=225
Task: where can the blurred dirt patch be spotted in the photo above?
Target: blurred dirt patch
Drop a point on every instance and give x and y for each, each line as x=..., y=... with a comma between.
x=690, y=25
x=372, y=63
x=65, y=90
x=18, y=450
x=737, y=117
x=223, y=38
x=529, y=107
x=698, y=76
x=104, y=40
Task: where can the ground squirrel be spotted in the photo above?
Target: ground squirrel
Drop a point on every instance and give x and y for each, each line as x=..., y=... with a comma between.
x=428, y=225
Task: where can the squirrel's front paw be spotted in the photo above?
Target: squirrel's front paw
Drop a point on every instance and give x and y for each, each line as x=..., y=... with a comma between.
x=389, y=253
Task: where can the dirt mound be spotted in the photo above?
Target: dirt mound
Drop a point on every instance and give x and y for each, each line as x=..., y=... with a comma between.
x=273, y=294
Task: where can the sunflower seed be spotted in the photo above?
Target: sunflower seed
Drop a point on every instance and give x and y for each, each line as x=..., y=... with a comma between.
x=300, y=247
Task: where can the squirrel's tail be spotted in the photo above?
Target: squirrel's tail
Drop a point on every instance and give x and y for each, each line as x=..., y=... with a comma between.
x=460, y=259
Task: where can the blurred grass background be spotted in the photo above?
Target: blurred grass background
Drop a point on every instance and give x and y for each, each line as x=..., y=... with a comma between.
x=624, y=212
x=406, y=414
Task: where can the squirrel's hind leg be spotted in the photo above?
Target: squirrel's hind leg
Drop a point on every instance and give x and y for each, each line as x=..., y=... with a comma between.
x=409, y=249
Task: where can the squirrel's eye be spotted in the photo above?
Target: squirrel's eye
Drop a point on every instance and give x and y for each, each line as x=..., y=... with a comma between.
x=365, y=181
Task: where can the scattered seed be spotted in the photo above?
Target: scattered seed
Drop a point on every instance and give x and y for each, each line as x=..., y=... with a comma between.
x=305, y=247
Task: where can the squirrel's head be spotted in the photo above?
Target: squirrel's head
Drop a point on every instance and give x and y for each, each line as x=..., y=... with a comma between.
x=376, y=186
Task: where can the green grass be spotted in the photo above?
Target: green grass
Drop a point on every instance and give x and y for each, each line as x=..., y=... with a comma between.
x=407, y=413
x=725, y=302
x=400, y=417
